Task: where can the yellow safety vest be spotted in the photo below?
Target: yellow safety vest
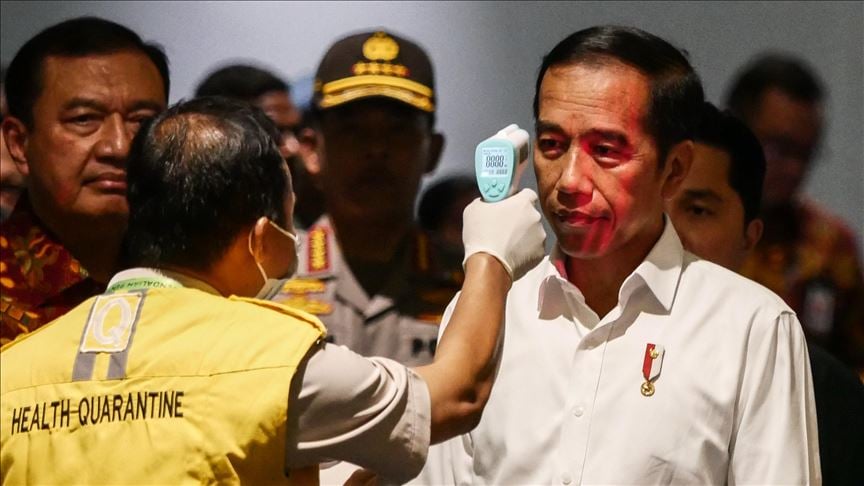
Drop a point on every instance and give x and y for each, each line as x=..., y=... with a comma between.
x=154, y=386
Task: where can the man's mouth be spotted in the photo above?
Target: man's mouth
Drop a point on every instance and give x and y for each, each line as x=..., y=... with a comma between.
x=109, y=182
x=578, y=218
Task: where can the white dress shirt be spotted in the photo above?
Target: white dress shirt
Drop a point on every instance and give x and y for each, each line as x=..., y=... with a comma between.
x=732, y=403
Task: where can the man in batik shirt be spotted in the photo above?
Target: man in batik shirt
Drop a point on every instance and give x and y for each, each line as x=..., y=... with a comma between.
x=77, y=93
x=807, y=256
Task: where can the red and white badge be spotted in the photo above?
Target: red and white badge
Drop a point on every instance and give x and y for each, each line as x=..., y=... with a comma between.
x=651, y=365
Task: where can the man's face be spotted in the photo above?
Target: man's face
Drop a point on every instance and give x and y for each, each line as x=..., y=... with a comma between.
x=596, y=167
x=85, y=117
x=789, y=131
x=708, y=213
x=277, y=105
x=374, y=154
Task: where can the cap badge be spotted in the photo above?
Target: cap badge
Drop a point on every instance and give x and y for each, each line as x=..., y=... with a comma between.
x=380, y=50
x=380, y=47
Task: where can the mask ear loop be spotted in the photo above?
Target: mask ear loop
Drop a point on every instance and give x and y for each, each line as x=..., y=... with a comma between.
x=293, y=236
x=257, y=263
x=283, y=231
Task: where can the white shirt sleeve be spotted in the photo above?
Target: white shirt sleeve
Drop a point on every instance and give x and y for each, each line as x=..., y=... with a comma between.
x=775, y=437
x=373, y=412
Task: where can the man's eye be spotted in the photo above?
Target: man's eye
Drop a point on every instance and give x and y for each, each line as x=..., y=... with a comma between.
x=84, y=119
x=84, y=124
x=606, y=151
x=699, y=211
x=550, y=146
x=140, y=118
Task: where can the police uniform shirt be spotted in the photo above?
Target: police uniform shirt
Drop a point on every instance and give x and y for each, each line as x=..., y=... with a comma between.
x=400, y=323
x=697, y=376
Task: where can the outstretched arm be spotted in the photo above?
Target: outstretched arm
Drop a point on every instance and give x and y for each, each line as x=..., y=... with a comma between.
x=378, y=414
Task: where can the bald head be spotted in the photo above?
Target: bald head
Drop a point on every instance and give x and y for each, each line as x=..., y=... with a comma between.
x=199, y=175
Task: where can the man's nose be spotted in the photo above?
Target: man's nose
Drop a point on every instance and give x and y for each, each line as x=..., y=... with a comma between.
x=577, y=178
x=114, y=139
x=376, y=144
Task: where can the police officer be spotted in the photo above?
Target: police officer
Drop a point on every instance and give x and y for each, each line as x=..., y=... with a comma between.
x=176, y=374
x=366, y=270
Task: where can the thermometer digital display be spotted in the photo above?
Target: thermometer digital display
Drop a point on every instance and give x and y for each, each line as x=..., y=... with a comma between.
x=499, y=161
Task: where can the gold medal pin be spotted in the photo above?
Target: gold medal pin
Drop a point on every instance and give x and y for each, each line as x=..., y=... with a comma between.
x=651, y=365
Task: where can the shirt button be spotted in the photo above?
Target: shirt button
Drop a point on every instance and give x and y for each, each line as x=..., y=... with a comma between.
x=566, y=478
x=578, y=411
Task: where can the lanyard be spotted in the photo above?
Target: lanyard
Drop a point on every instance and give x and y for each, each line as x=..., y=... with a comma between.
x=143, y=283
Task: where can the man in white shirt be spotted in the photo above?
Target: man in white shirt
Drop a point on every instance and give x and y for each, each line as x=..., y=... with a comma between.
x=626, y=359
x=716, y=214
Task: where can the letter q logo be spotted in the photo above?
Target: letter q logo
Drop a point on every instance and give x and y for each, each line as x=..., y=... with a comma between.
x=109, y=327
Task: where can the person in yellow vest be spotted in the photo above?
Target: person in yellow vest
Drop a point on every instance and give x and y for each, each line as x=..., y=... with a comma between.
x=181, y=372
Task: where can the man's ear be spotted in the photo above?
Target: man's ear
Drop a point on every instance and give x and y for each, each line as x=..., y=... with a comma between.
x=436, y=147
x=753, y=233
x=258, y=240
x=17, y=135
x=677, y=166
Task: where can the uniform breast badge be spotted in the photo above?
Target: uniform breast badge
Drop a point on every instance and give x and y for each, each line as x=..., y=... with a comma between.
x=298, y=293
x=651, y=365
x=318, y=244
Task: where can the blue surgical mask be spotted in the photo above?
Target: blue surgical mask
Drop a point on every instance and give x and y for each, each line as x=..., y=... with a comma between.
x=272, y=286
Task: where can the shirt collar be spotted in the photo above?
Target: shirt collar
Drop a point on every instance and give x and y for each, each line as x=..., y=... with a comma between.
x=180, y=278
x=660, y=271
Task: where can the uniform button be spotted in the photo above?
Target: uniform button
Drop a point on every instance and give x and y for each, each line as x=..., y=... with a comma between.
x=566, y=478
x=578, y=411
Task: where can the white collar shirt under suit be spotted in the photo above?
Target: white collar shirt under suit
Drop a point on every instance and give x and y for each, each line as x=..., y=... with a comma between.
x=732, y=402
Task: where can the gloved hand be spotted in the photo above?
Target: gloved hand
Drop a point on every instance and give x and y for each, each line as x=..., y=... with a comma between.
x=510, y=230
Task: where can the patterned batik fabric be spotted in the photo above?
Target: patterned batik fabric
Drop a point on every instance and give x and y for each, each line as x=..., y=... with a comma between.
x=39, y=279
x=817, y=271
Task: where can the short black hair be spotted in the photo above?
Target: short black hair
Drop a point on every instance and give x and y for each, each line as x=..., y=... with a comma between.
x=199, y=174
x=242, y=82
x=784, y=72
x=436, y=200
x=726, y=132
x=78, y=37
x=676, y=91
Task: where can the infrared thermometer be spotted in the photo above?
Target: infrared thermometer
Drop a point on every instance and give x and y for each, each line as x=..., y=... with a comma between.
x=499, y=161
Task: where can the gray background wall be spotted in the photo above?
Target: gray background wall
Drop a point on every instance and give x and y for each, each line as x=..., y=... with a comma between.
x=486, y=54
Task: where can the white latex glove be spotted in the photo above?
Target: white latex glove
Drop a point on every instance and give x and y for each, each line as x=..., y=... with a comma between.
x=510, y=230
